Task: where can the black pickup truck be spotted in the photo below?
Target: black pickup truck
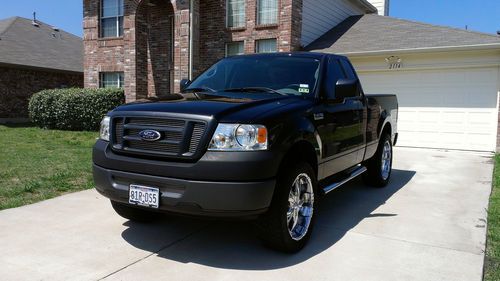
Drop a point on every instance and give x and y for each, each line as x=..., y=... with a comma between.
x=259, y=136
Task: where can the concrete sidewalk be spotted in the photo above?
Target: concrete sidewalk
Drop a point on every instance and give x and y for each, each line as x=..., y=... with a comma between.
x=428, y=224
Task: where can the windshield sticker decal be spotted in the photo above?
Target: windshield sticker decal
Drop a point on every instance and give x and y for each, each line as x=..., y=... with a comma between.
x=304, y=88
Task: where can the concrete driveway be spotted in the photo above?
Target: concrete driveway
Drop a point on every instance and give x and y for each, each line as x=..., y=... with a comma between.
x=428, y=224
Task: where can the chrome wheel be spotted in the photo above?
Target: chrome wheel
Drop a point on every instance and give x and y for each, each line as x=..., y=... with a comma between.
x=386, y=160
x=300, y=207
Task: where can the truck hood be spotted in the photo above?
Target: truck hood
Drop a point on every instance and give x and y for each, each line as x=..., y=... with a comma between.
x=224, y=107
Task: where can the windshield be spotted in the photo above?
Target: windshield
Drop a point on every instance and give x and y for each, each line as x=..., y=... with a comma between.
x=272, y=74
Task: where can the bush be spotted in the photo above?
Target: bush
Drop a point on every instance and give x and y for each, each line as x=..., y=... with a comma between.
x=73, y=109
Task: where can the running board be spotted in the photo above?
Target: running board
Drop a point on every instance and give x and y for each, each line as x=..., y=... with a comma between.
x=356, y=172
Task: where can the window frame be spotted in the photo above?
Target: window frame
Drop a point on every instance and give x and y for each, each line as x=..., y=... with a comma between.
x=257, y=42
x=258, y=16
x=243, y=26
x=117, y=17
x=120, y=81
x=234, y=42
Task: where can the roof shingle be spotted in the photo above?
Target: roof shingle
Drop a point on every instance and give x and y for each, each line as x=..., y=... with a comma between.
x=22, y=43
x=371, y=33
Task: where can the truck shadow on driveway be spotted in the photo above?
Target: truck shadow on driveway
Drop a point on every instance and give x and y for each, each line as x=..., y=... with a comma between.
x=233, y=245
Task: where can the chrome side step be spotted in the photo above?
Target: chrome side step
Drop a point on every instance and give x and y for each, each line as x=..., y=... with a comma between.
x=356, y=172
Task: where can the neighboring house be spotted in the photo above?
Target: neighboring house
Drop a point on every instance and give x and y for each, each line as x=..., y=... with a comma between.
x=35, y=56
x=148, y=46
x=447, y=80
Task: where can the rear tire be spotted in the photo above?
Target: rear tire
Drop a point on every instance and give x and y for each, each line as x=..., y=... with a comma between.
x=380, y=165
x=288, y=224
x=133, y=214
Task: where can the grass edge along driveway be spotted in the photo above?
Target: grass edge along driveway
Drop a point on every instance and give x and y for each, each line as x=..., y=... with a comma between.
x=492, y=259
x=38, y=164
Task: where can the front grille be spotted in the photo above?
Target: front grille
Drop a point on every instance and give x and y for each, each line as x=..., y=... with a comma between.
x=179, y=138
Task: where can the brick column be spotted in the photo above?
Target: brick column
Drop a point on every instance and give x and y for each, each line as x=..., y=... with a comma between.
x=181, y=42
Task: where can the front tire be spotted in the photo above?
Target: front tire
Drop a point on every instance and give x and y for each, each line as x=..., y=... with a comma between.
x=288, y=224
x=133, y=214
x=380, y=165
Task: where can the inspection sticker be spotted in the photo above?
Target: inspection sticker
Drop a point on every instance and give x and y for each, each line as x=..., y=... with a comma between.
x=304, y=88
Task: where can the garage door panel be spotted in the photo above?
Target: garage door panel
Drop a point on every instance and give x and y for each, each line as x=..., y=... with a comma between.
x=453, y=118
x=455, y=109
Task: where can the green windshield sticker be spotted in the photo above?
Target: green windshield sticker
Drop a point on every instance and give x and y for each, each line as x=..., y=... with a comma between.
x=304, y=88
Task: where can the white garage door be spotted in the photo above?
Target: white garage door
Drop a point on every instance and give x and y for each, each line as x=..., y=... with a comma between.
x=455, y=109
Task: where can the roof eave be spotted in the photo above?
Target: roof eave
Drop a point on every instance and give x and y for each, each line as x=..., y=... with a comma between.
x=41, y=68
x=369, y=8
x=421, y=50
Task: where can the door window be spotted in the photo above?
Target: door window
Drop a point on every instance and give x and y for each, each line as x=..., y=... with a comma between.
x=335, y=72
x=349, y=71
x=351, y=74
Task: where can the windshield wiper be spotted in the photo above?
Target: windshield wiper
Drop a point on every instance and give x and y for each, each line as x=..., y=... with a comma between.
x=254, y=89
x=199, y=89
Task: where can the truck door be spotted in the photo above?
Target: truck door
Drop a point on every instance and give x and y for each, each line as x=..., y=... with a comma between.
x=338, y=124
x=360, y=109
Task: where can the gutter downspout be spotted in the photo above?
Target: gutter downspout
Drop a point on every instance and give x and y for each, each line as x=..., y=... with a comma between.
x=191, y=28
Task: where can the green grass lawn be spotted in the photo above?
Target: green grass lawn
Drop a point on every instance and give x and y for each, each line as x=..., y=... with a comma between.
x=492, y=265
x=37, y=164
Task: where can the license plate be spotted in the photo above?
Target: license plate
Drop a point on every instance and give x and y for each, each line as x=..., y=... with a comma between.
x=144, y=196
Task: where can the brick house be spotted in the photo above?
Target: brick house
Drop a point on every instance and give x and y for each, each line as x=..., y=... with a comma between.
x=148, y=46
x=35, y=56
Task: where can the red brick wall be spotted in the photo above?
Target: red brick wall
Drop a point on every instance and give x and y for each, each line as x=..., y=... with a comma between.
x=154, y=47
x=147, y=71
x=18, y=85
x=215, y=34
x=127, y=54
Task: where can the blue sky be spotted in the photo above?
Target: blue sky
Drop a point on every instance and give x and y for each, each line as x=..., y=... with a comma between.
x=479, y=15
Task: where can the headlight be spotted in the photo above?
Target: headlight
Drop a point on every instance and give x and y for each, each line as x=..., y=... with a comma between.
x=104, y=132
x=236, y=137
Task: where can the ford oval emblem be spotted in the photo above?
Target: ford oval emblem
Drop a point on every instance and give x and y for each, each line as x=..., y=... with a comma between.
x=150, y=135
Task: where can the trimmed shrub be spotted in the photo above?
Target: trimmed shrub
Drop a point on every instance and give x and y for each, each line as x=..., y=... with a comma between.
x=73, y=109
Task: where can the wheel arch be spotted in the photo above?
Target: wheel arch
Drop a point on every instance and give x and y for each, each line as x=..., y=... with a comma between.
x=301, y=150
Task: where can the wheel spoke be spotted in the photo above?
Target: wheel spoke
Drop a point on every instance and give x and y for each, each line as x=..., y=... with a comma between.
x=295, y=218
x=289, y=216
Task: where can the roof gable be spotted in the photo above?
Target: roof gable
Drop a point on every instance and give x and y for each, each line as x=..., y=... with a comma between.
x=42, y=46
x=371, y=33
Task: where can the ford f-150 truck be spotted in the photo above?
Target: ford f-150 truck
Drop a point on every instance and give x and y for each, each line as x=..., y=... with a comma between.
x=260, y=136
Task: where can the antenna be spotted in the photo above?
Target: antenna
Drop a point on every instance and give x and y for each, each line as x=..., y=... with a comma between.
x=34, y=22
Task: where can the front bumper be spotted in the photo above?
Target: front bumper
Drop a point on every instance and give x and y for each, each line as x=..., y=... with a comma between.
x=192, y=197
x=241, y=166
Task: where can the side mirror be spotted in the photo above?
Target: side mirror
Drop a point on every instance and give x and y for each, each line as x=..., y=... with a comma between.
x=346, y=88
x=184, y=83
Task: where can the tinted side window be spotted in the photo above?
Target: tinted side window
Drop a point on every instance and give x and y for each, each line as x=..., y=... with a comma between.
x=346, y=65
x=348, y=70
x=335, y=72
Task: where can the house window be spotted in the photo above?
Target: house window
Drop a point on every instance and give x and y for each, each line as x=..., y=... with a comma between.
x=111, y=80
x=266, y=46
x=235, y=48
x=235, y=13
x=111, y=18
x=267, y=12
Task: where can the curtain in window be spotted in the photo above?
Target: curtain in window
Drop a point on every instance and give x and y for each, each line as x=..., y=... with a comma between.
x=112, y=80
x=236, y=13
x=268, y=11
x=112, y=18
x=235, y=48
x=266, y=46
